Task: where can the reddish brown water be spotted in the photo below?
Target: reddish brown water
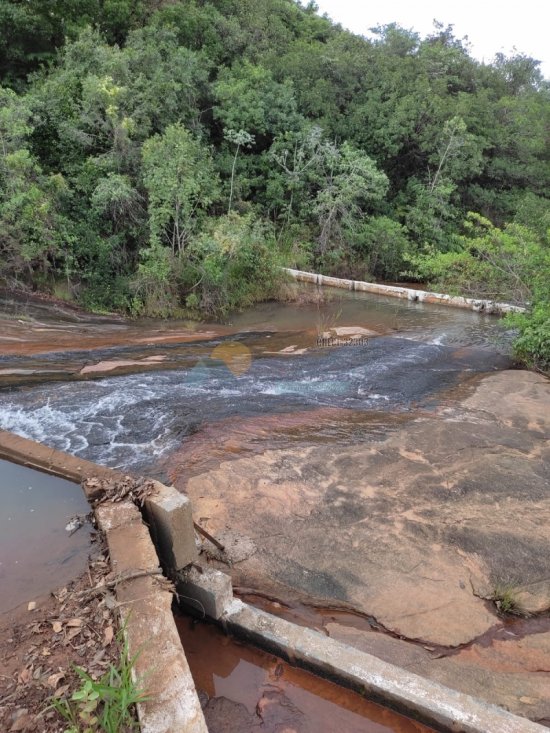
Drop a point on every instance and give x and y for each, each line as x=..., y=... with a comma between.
x=245, y=689
x=508, y=628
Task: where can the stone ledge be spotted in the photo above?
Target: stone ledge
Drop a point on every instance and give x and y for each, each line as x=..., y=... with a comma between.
x=146, y=614
x=36, y=455
x=394, y=291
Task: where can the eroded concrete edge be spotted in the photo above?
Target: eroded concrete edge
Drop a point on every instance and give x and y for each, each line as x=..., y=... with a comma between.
x=145, y=606
x=418, y=296
x=419, y=698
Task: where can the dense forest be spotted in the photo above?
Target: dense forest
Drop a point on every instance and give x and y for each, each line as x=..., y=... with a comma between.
x=161, y=157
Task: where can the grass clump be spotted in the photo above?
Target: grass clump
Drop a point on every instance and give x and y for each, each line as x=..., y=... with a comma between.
x=505, y=598
x=106, y=705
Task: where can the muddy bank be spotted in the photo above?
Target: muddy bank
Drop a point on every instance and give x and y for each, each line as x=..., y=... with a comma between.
x=41, y=648
x=416, y=530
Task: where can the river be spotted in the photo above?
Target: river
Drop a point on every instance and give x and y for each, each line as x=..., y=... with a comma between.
x=262, y=362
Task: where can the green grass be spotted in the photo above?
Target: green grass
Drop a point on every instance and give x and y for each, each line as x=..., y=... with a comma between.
x=505, y=598
x=106, y=705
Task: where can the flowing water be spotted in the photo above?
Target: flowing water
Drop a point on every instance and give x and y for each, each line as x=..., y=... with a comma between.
x=177, y=397
x=131, y=403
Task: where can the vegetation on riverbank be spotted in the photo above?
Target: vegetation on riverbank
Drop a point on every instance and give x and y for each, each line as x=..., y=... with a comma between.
x=160, y=155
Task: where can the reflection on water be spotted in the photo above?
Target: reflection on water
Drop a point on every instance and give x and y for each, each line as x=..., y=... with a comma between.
x=244, y=689
x=37, y=554
x=170, y=391
x=436, y=323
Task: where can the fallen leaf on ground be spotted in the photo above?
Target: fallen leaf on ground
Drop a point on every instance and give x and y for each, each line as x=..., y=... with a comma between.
x=21, y=723
x=57, y=627
x=74, y=622
x=71, y=635
x=25, y=676
x=54, y=679
x=61, y=691
x=108, y=635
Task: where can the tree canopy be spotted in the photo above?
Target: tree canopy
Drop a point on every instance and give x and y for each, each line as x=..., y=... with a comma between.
x=132, y=134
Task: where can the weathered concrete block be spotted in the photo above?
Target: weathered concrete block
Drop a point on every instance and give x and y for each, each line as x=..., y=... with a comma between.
x=161, y=669
x=209, y=592
x=171, y=519
x=112, y=515
x=130, y=545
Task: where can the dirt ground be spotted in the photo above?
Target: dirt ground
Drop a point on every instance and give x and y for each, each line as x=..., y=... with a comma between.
x=44, y=640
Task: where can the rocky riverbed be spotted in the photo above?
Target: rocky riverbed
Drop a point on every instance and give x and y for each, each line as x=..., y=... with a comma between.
x=424, y=529
x=393, y=491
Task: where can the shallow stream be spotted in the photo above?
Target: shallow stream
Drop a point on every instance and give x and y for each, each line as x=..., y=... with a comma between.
x=244, y=690
x=135, y=401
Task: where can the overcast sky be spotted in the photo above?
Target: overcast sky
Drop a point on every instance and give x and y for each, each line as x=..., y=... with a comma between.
x=491, y=25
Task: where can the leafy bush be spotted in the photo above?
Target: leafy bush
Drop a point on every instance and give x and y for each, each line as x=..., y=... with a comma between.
x=153, y=286
x=533, y=344
x=510, y=264
x=383, y=246
x=231, y=265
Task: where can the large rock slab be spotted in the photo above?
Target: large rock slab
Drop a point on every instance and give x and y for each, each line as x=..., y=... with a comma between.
x=417, y=529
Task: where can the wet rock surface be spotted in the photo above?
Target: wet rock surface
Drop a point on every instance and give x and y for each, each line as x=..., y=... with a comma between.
x=417, y=529
x=391, y=476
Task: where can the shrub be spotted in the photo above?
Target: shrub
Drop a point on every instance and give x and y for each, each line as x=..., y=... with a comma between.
x=231, y=265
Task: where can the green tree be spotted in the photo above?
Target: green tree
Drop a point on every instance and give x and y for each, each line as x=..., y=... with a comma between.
x=238, y=138
x=179, y=178
x=351, y=187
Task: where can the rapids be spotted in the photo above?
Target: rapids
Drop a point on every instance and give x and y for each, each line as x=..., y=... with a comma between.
x=166, y=391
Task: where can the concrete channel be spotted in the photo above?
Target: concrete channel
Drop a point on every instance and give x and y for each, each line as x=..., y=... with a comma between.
x=145, y=605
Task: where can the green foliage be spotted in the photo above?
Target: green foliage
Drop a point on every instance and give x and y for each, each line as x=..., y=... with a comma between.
x=181, y=185
x=352, y=185
x=106, y=705
x=383, y=247
x=33, y=230
x=533, y=344
x=233, y=264
x=130, y=126
x=505, y=597
x=153, y=287
x=512, y=264
x=249, y=98
x=498, y=264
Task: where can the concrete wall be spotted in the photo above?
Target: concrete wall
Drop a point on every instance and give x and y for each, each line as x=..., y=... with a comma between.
x=143, y=596
x=417, y=296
